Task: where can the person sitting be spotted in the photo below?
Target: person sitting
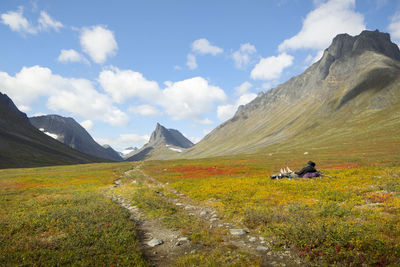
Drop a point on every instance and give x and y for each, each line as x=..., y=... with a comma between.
x=307, y=172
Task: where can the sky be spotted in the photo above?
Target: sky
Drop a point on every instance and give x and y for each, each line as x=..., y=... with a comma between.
x=119, y=67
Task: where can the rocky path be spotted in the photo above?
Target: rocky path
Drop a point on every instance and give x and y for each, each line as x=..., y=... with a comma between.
x=162, y=246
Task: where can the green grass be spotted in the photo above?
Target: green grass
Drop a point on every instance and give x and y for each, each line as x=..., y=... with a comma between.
x=58, y=216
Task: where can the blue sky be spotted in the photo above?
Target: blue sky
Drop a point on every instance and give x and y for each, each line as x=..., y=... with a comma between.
x=119, y=67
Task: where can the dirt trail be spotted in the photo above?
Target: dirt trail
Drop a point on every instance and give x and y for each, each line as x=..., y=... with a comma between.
x=174, y=244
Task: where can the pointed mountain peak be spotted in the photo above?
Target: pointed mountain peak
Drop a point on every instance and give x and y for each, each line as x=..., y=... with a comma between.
x=164, y=136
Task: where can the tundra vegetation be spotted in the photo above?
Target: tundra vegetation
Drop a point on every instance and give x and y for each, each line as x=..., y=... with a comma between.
x=59, y=215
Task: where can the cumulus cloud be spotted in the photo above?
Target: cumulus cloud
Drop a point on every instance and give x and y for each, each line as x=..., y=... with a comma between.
x=394, y=27
x=76, y=96
x=87, y=124
x=124, y=140
x=244, y=55
x=323, y=23
x=271, y=68
x=243, y=88
x=71, y=56
x=203, y=46
x=225, y=112
x=191, y=98
x=191, y=62
x=17, y=22
x=124, y=84
x=145, y=110
x=99, y=43
x=46, y=22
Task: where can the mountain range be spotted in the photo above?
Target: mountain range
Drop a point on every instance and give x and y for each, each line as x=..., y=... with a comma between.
x=347, y=99
x=71, y=133
x=350, y=95
x=22, y=145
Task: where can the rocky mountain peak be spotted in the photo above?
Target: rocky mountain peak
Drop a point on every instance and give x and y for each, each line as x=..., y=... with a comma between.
x=344, y=44
x=162, y=135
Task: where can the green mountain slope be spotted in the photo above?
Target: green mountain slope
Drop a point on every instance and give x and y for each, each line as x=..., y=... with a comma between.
x=22, y=145
x=350, y=96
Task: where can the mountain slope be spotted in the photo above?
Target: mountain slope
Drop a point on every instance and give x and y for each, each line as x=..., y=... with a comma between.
x=163, y=144
x=22, y=145
x=355, y=85
x=71, y=133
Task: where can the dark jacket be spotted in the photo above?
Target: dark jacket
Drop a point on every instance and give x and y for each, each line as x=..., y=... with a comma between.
x=305, y=170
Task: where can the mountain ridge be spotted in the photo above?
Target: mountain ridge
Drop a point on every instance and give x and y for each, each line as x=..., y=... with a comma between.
x=354, y=76
x=71, y=133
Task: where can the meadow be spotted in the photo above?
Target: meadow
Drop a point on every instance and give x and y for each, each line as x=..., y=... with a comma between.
x=57, y=216
x=350, y=218
x=60, y=216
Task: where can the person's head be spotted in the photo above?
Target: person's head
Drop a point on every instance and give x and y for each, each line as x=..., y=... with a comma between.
x=311, y=163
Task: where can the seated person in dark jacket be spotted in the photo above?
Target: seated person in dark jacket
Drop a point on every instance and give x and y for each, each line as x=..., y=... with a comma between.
x=308, y=171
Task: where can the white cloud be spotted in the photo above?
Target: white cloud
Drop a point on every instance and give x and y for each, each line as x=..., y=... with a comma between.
x=271, y=68
x=189, y=99
x=225, y=112
x=243, y=88
x=46, y=22
x=124, y=140
x=203, y=46
x=394, y=27
x=176, y=67
x=99, y=43
x=323, y=23
x=243, y=56
x=83, y=100
x=87, y=124
x=76, y=96
x=145, y=110
x=206, y=121
x=191, y=62
x=71, y=56
x=125, y=84
x=17, y=22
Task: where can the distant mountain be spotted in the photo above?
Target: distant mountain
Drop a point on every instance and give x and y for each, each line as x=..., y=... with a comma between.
x=163, y=144
x=351, y=96
x=22, y=145
x=128, y=152
x=71, y=133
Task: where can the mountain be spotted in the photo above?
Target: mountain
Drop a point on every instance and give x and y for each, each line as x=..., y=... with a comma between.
x=350, y=97
x=71, y=133
x=22, y=145
x=163, y=144
x=128, y=152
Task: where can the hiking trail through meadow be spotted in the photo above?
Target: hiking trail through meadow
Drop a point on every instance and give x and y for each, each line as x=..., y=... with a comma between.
x=163, y=245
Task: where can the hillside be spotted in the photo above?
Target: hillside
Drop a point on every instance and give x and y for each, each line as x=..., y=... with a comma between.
x=71, y=133
x=163, y=144
x=22, y=145
x=350, y=97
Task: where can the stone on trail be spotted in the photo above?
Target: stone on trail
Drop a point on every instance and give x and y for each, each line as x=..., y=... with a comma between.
x=154, y=242
x=262, y=248
x=182, y=241
x=190, y=207
x=238, y=231
x=179, y=204
x=203, y=213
